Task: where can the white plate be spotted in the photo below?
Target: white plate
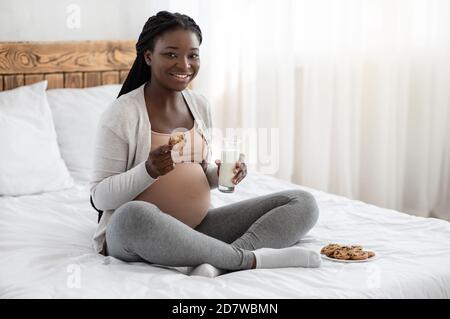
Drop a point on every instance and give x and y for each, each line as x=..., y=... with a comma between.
x=350, y=261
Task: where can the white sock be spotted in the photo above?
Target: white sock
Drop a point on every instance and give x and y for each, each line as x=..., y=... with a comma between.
x=207, y=270
x=286, y=257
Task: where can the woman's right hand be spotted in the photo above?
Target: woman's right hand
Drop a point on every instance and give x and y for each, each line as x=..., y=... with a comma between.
x=159, y=161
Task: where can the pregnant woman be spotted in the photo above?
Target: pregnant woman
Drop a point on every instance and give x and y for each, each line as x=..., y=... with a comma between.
x=156, y=208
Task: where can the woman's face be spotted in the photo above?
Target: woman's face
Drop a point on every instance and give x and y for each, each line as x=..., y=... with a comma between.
x=175, y=60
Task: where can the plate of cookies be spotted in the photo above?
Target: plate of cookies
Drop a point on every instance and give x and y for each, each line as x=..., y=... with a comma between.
x=347, y=253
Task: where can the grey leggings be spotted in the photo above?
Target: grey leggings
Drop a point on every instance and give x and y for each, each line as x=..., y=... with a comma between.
x=140, y=231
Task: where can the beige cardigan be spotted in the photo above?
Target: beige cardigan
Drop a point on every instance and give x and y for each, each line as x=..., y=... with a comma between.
x=122, y=146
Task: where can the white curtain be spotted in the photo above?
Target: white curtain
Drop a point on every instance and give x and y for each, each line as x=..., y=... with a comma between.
x=374, y=83
x=355, y=92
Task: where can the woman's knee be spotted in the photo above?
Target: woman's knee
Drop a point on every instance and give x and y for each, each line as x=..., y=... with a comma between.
x=131, y=215
x=307, y=208
x=127, y=224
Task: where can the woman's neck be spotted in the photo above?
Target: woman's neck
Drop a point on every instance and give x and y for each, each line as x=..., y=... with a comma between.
x=161, y=97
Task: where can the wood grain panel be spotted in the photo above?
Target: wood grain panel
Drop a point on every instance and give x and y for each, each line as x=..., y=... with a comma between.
x=75, y=64
x=73, y=80
x=13, y=81
x=111, y=77
x=92, y=79
x=55, y=80
x=69, y=56
x=123, y=76
x=33, y=78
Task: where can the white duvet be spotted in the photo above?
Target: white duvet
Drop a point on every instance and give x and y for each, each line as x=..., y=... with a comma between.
x=46, y=252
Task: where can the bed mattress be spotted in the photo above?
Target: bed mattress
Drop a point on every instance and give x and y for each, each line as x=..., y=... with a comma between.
x=46, y=252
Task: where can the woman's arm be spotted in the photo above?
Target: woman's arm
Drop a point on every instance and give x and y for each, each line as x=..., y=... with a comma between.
x=111, y=184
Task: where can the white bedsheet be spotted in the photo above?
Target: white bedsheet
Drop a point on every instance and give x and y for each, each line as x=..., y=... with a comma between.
x=45, y=252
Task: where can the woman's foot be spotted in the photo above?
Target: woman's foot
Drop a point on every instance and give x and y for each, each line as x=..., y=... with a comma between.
x=287, y=257
x=207, y=270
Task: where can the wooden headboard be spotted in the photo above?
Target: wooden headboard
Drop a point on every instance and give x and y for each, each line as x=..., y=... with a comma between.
x=74, y=64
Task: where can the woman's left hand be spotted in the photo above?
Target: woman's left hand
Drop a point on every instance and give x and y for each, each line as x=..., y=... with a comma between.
x=240, y=170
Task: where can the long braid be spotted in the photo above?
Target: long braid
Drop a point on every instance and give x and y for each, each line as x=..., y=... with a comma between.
x=154, y=27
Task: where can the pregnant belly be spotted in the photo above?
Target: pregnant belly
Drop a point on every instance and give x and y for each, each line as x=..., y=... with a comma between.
x=183, y=193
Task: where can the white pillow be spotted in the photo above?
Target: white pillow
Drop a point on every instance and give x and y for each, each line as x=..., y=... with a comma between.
x=30, y=161
x=76, y=113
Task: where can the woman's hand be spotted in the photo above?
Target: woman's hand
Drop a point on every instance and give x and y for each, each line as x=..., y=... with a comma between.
x=240, y=169
x=160, y=161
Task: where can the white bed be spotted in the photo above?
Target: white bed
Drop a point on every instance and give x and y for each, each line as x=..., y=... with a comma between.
x=46, y=252
x=46, y=239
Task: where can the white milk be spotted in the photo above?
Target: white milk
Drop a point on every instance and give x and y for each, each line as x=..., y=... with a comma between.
x=226, y=174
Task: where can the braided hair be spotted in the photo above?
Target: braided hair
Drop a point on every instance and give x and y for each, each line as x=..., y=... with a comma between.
x=155, y=26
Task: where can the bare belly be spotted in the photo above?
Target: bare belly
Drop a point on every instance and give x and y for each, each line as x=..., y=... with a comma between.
x=182, y=193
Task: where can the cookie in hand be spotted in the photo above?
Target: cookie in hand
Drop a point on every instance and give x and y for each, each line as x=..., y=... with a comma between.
x=178, y=140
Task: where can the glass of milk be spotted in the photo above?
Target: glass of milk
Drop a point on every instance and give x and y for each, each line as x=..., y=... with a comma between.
x=229, y=156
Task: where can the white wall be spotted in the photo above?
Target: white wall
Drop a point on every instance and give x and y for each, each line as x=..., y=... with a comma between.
x=55, y=20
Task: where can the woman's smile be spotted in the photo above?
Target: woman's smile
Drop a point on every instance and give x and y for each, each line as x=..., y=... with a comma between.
x=181, y=77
